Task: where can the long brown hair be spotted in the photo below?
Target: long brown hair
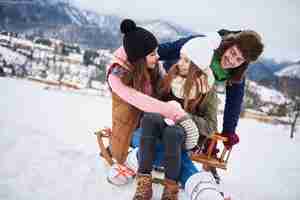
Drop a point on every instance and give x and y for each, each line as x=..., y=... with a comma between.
x=191, y=80
x=141, y=74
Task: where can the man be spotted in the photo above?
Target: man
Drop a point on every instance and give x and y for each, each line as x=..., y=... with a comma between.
x=228, y=54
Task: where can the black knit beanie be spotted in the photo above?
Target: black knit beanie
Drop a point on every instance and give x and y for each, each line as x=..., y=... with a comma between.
x=137, y=41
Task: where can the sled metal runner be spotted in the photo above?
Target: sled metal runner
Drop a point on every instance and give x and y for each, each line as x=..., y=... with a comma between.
x=208, y=160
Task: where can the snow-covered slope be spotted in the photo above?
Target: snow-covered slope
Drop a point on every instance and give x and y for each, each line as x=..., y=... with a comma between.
x=267, y=94
x=49, y=151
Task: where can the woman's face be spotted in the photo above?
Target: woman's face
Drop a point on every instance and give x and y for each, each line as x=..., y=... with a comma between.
x=232, y=58
x=184, y=65
x=152, y=59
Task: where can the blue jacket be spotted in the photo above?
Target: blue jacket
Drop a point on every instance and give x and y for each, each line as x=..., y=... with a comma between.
x=170, y=53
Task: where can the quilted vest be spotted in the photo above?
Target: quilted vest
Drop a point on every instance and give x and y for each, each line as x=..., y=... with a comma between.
x=125, y=119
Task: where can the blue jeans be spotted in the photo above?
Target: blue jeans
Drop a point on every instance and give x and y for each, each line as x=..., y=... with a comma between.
x=187, y=166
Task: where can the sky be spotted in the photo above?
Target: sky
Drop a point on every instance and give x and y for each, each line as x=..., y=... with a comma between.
x=275, y=20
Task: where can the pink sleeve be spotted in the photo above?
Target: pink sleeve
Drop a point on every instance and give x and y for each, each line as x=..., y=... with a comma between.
x=138, y=99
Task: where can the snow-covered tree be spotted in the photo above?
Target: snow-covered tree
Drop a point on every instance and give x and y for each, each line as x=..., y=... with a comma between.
x=294, y=115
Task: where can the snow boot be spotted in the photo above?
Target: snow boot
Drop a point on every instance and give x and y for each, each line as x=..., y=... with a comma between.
x=120, y=174
x=202, y=186
x=144, y=187
x=170, y=190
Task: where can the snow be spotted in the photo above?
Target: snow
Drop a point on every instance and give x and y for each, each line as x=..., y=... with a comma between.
x=161, y=30
x=292, y=71
x=267, y=94
x=95, y=18
x=49, y=151
x=51, y=2
x=73, y=14
x=11, y=56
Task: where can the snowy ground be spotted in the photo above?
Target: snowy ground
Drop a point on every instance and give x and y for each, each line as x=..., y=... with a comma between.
x=48, y=150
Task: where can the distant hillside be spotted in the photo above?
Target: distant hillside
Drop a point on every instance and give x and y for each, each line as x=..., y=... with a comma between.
x=292, y=71
x=61, y=20
x=264, y=71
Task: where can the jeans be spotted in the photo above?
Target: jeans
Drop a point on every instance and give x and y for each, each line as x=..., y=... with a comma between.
x=171, y=138
x=187, y=166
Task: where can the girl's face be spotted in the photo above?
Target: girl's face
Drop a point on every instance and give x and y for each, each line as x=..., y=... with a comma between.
x=232, y=58
x=152, y=59
x=184, y=65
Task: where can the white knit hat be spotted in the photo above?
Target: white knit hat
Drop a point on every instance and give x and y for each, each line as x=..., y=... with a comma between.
x=200, y=51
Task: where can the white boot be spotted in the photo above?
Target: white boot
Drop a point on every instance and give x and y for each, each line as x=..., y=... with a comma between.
x=123, y=174
x=120, y=174
x=202, y=186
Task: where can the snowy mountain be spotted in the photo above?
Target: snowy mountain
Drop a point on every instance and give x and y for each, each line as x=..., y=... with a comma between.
x=292, y=71
x=49, y=151
x=63, y=20
x=274, y=74
x=165, y=31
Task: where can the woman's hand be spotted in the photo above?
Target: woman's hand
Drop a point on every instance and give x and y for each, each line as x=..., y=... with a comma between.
x=176, y=112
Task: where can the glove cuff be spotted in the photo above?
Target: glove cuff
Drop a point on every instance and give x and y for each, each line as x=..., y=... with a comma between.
x=191, y=131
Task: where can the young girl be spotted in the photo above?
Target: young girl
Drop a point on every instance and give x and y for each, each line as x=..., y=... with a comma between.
x=190, y=84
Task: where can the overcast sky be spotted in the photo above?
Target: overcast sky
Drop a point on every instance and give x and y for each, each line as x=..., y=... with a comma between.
x=276, y=20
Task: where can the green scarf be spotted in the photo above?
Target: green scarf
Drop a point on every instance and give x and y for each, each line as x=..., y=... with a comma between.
x=219, y=73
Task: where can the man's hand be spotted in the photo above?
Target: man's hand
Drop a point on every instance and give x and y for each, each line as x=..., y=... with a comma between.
x=232, y=139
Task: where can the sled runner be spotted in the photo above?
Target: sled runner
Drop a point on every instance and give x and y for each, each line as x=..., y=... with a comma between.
x=208, y=160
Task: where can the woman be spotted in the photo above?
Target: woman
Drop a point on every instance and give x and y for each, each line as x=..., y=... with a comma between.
x=133, y=77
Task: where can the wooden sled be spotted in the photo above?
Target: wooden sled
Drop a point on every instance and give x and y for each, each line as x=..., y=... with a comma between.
x=208, y=160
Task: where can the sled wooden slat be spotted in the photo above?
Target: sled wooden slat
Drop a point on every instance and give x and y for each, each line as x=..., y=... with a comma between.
x=213, y=162
x=101, y=134
x=207, y=160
